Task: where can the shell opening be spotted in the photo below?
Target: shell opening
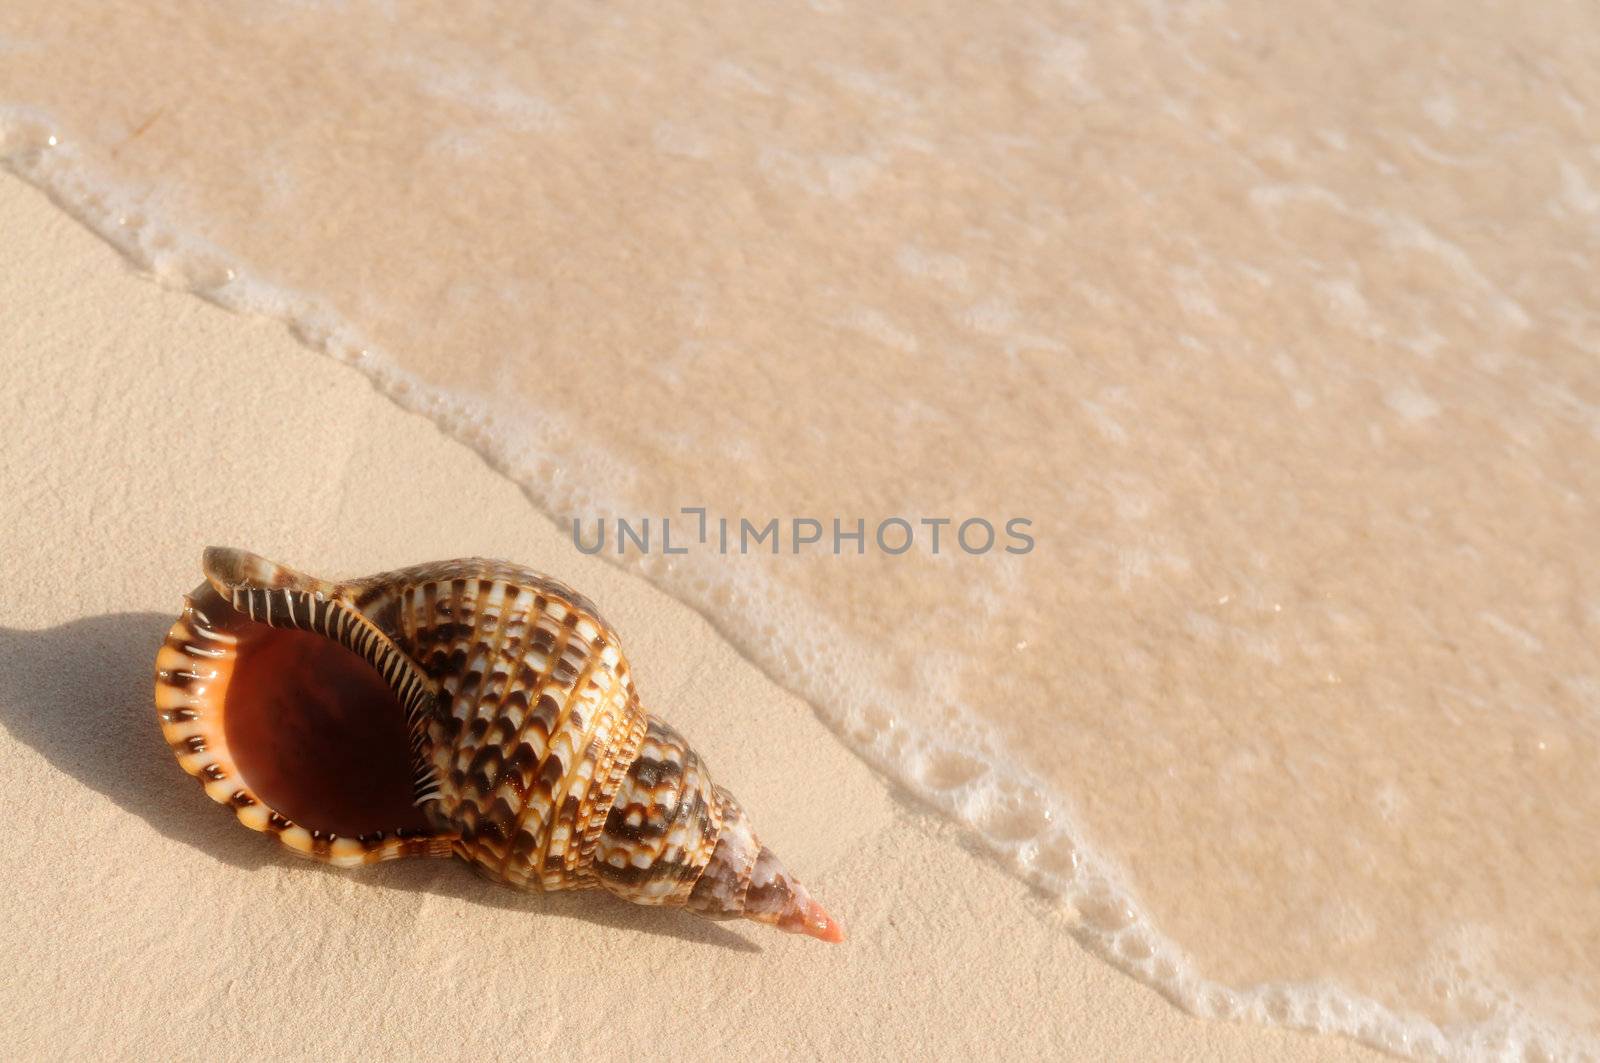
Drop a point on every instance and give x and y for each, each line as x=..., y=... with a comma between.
x=298, y=723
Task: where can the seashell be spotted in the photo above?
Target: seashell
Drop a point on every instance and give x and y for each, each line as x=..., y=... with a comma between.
x=472, y=708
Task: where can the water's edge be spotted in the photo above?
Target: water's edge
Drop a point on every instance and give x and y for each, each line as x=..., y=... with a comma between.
x=1110, y=922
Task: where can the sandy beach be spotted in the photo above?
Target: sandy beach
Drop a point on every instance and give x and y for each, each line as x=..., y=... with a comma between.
x=139, y=921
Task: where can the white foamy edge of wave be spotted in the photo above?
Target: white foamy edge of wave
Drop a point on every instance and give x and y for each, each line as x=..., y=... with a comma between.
x=1054, y=859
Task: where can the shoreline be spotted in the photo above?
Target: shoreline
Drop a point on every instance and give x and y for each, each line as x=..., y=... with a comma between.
x=157, y=423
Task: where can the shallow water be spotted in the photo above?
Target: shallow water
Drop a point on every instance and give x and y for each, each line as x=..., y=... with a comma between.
x=1278, y=328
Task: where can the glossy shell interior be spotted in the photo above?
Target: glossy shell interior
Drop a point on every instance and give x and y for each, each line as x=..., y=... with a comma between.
x=301, y=737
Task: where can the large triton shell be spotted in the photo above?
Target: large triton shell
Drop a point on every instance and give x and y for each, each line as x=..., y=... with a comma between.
x=468, y=707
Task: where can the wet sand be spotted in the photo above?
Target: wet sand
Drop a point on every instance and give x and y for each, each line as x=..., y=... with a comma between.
x=140, y=921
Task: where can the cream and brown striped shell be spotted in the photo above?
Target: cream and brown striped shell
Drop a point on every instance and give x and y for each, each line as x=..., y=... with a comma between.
x=470, y=707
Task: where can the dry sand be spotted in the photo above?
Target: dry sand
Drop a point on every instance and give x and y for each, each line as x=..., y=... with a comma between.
x=140, y=921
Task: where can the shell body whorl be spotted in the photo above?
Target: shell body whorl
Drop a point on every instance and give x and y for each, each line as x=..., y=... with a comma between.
x=530, y=753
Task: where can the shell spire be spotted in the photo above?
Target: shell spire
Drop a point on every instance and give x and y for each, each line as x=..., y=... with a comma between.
x=472, y=708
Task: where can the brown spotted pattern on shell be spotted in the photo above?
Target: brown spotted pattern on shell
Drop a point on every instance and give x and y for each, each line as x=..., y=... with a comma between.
x=470, y=707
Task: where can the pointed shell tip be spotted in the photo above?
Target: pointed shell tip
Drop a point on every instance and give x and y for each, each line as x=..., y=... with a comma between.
x=822, y=926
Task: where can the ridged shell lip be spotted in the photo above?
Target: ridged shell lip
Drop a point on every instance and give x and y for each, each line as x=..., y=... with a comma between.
x=294, y=732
